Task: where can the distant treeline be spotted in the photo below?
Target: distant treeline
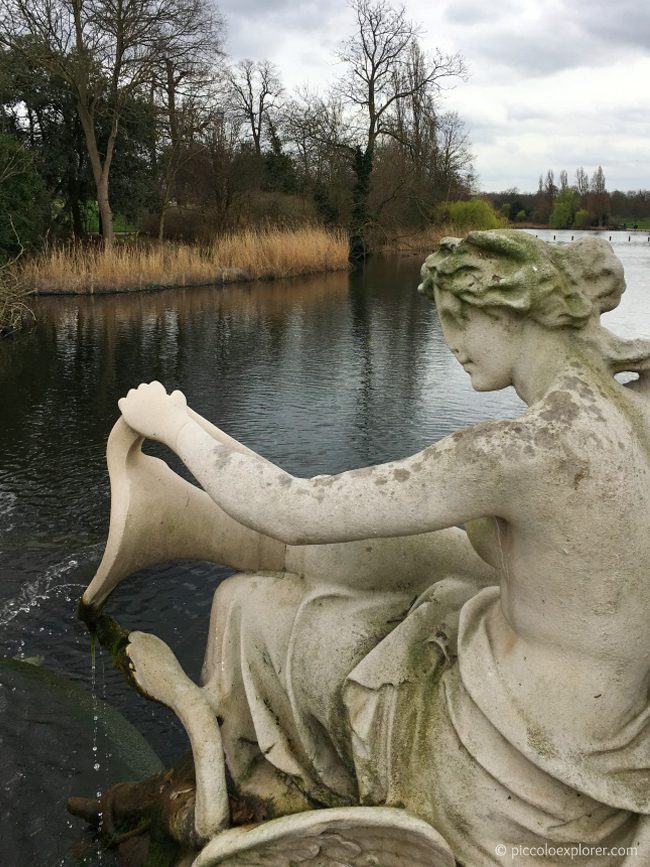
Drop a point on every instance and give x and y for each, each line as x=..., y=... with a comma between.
x=583, y=204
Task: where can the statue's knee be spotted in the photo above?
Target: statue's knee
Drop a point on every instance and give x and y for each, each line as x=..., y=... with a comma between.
x=246, y=590
x=230, y=588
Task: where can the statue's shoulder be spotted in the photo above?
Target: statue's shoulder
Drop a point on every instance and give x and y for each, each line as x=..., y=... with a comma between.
x=492, y=441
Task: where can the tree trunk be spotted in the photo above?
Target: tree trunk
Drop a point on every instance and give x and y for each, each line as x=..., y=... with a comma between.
x=362, y=165
x=100, y=171
x=78, y=228
x=161, y=224
x=105, y=212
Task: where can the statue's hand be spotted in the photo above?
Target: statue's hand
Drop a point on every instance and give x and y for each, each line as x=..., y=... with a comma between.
x=153, y=413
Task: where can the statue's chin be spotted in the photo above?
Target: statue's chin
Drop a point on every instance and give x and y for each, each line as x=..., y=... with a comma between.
x=478, y=383
x=481, y=382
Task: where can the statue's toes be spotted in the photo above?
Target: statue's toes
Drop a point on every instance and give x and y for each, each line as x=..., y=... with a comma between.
x=98, y=813
x=88, y=809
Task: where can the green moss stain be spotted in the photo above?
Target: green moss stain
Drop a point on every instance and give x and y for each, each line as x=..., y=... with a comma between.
x=540, y=743
x=110, y=635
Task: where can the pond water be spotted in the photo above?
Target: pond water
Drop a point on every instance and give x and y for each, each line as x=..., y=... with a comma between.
x=319, y=374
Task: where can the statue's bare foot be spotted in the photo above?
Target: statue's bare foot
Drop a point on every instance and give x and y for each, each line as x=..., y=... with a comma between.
x=157, y=673
x=126, y=815
x=155, y=670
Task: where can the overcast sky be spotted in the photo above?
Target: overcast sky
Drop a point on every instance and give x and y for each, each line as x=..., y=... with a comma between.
x=553, y=83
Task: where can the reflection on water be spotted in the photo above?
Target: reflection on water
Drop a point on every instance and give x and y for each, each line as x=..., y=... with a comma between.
x=319, y=374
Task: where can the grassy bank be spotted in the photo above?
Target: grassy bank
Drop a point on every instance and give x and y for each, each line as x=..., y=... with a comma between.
x=642, y=223
x=246, y=255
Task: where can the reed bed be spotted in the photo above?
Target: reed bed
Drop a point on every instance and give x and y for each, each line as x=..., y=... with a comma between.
x=250, y=254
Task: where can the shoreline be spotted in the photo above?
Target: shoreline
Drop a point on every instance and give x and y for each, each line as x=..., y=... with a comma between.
x=245, y=256
x=88, y=273
x=238, y=278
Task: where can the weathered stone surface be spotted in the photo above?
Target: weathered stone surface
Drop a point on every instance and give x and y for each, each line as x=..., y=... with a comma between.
x=370, y=656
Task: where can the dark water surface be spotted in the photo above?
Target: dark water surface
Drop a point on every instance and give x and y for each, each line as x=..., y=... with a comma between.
x=318, y=374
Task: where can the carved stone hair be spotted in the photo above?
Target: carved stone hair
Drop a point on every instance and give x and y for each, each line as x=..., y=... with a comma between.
x=556, y=286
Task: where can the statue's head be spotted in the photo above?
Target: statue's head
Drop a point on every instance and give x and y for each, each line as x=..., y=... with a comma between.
x=555, y=286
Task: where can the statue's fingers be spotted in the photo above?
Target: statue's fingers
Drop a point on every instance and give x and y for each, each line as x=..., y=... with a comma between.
x=178, y=397
x=154, y=385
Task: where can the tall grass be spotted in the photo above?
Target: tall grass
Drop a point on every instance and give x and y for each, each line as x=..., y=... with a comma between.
x=251, y=254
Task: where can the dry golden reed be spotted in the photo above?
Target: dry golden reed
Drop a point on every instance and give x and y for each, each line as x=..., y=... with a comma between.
x=250, y=254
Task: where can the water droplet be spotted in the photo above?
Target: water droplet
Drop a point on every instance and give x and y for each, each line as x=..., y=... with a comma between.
x=96, y=767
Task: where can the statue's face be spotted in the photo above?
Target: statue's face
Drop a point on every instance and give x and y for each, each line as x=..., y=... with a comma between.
x=485, y=341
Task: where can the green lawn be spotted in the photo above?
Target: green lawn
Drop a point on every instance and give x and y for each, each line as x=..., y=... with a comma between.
x=643, y=223
x=120, y=223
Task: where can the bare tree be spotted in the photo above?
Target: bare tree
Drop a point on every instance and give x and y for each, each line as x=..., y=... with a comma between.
x=454, y=160
x=319, y=134
x=582, y=181
x=319, y=131
x=184, y=96
x=379, y=79
x=108, y=50
x=434, y=145
x=256, y=90
x=598, y=198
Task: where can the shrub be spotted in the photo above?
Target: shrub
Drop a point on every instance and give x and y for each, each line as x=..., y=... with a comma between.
x=13, y=300
x=24, y=209
x=474, y=214
x=564, y=210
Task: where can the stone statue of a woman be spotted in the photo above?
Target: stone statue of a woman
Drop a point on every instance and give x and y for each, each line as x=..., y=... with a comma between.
x=369, y=657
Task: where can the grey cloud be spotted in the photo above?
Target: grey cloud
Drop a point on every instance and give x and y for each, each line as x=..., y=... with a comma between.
x=481, y=131
x=624, y=23
x=576, y=33
x=257, y=28
x=239, y=8
x=524, y=112
x=582, y=34
x=474, y=12
x=287, y=14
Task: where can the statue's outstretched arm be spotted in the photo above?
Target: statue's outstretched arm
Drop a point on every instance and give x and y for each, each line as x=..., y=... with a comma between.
x=444, y=485
x=462, y=477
